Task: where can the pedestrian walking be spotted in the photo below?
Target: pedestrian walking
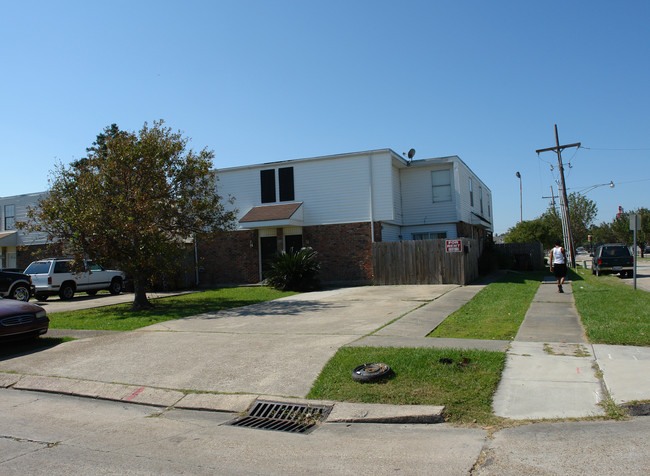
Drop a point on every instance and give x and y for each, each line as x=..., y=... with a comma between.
x=557, y=260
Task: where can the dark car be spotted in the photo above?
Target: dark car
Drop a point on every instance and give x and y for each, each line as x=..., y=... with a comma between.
x=21, y=320
x=613, y=258
x=16, y=285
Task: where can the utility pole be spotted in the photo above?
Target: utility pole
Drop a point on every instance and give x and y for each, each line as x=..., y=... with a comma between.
x=564, y=204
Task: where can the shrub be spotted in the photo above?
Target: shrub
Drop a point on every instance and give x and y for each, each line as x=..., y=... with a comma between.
x=294, y=271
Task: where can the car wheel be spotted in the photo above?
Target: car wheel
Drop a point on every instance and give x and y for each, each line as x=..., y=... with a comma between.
x=598, y=273
x=66, y=292
x=116, y=286
x=41, y=297
x=91, y=293
x=20, y=293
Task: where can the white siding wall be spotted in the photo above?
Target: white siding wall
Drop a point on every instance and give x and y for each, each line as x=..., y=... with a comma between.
x=466, y=209
x=397, y=194
x=333, y=189
x=22, y=203
x=448, y=228
x=464, y=201
x=390, y=232
x=418, y=207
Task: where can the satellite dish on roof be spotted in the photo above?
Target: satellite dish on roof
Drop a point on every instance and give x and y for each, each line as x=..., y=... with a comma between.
x=411, y=154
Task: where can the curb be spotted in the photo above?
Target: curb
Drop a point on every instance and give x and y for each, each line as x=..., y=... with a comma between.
x=342, y=412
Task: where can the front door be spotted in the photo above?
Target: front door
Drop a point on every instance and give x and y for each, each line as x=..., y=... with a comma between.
x=268, y=248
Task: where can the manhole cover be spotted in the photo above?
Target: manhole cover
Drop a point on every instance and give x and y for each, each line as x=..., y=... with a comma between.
x=288, y=417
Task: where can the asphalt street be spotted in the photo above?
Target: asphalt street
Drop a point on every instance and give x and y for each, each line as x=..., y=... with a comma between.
x=48, y=434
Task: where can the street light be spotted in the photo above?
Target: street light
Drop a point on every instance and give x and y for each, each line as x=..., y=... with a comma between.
x=521, y=212
x=589, y=189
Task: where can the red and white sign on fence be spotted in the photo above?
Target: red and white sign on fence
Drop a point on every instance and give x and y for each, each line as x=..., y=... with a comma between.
x=454, y=246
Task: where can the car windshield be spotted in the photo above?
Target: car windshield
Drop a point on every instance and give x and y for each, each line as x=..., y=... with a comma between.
x=38, y=267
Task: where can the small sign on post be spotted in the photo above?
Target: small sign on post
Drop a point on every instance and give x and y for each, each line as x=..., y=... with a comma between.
x=635, y=225
x=635, y=221
x=454, y=246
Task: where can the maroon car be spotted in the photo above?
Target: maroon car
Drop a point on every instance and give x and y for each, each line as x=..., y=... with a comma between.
x=21, y=320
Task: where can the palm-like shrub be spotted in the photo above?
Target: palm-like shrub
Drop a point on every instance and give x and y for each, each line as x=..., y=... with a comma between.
x=294, y=270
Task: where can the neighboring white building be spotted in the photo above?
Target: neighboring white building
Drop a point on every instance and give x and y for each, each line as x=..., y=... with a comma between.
x=12, y=210
x=338, y=204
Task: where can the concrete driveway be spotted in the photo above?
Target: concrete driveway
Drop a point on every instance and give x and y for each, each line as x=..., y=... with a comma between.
x=275, y=348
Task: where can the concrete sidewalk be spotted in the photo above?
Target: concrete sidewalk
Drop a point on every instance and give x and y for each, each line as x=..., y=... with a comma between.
x=552, y=371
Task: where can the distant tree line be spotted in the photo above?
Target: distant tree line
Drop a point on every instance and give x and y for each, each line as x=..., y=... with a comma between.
x=548, y=227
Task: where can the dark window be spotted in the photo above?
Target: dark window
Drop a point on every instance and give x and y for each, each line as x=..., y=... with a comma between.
x=293, y=242
x=267, y=180
x=285, y=179
x=38, y=267
x=61, y=267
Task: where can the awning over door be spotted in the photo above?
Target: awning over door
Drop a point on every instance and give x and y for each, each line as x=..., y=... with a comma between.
x=8, y=238
x=286, y=214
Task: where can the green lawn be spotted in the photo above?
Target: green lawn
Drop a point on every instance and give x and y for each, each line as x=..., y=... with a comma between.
x=122, y=318
x=612, y=312
x=496, y=312
x=462, y=380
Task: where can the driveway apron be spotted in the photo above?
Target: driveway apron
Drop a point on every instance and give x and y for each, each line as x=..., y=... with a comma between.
x=273, y=348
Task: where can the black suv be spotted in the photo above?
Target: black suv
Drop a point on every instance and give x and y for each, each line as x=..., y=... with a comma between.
x=612, y=258
x=16, y=285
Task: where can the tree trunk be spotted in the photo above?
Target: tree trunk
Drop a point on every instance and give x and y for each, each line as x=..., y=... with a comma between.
x=140, y=300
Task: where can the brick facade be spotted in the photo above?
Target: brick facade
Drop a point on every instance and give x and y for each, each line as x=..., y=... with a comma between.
x=344, y=251
x=229, y=259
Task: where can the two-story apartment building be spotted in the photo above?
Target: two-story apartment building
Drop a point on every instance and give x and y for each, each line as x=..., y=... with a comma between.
x=338, y=205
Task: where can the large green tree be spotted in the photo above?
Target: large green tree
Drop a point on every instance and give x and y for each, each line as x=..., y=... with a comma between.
x=618, y=230
x=133, y=202
x=548, y=227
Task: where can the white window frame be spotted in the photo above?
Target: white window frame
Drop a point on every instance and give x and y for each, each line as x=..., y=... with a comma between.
x=430, y=235
x=9, y=219
x=442, y=190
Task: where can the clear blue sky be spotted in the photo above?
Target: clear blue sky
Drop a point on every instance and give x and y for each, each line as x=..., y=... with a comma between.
x=261, y=81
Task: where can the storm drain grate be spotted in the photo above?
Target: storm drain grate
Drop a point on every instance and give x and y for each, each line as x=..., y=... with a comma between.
x=288, y=417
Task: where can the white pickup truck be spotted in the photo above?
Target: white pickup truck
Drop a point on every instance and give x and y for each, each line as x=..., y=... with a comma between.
x=55, y=276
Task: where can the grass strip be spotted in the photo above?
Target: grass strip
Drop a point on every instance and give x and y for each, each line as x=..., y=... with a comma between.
x=122, y=318
x=612, y=311
x=462, y=380
x=496, y=312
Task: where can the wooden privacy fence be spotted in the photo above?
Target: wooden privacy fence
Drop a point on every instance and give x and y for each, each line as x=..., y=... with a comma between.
x=424, y=262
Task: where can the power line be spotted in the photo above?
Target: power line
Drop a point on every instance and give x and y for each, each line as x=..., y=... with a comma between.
x=597, y=148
